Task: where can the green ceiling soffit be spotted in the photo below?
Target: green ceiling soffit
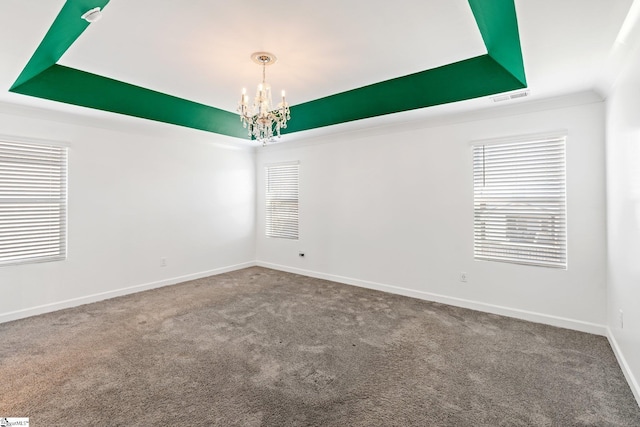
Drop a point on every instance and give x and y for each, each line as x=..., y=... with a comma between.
x=500, y=70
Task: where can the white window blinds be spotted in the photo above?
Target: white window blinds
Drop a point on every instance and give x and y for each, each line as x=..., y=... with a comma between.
x=282, y=201
x=33, y=202
x=520, y=202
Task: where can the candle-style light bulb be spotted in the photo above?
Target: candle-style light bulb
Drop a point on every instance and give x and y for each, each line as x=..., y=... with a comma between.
x=243, y=97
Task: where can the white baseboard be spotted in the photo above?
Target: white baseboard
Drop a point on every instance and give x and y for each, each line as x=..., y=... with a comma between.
x=546, y=319
x=74, y=302
x=458, y=302
x=626, y=370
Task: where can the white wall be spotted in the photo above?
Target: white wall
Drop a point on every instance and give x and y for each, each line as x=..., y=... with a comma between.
x=392, y=208
x=623, y=217
x=136, y=195
x=388, y=208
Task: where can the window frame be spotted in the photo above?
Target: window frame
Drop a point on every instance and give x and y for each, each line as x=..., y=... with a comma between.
x=58, y=206
x=540, y=222
x=287, y=226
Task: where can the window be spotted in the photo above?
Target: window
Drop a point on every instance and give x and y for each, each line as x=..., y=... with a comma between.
x=33, y=202
x=519, y=201
x=282, y=201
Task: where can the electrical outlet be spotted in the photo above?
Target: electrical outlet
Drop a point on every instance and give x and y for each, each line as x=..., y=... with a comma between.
x=621, y=315
x=163, y=262
x=463, y=277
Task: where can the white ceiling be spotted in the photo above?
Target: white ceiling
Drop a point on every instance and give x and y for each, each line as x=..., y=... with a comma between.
x=199, y=49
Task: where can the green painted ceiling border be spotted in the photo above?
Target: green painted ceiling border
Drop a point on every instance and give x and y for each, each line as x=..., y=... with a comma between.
x=500, y=70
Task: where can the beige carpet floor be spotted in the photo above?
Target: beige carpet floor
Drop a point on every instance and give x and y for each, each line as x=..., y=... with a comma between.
x=257, y=347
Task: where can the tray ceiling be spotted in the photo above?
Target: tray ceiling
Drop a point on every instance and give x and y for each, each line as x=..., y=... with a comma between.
x=185, y=63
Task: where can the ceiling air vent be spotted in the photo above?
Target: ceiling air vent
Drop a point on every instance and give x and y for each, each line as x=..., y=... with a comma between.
x=510, y=96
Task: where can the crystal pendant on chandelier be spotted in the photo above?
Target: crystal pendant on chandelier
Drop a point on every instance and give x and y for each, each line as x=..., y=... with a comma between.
x=262, y=121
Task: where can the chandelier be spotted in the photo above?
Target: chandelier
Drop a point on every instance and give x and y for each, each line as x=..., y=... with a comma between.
x=260, y=118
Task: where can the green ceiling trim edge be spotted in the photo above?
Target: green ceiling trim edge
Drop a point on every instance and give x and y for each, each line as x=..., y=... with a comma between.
x=43, y=78
x=500, y=70
x=71, y=86
x=449, y=83
x=64, y=31
x=498, y=24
